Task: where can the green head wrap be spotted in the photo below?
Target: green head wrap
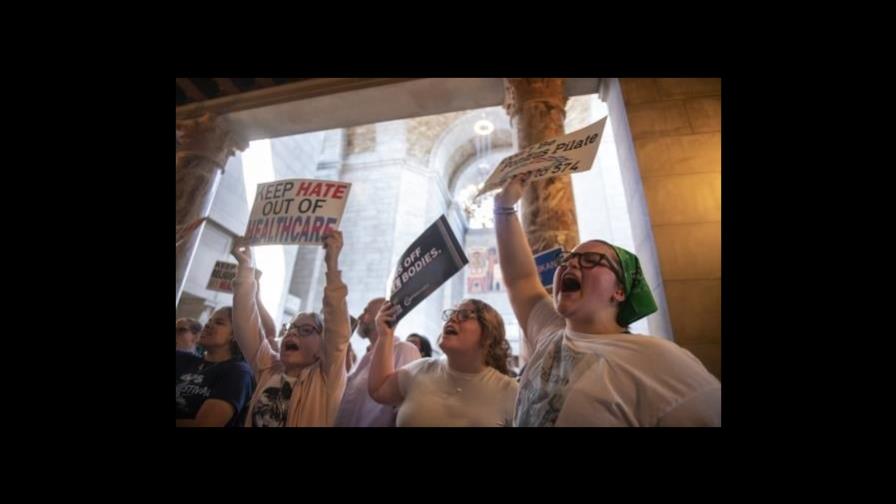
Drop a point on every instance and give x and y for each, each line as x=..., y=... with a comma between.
x=639, y=301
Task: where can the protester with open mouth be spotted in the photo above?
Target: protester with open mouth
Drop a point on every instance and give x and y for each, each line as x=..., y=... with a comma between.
x=213, y=390
x=585, y=367
x=302, y=384
x=469, y=387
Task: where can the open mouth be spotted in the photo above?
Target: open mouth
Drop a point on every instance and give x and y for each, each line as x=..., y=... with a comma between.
x=291, y=346
x=569, y=283
x=450, y=331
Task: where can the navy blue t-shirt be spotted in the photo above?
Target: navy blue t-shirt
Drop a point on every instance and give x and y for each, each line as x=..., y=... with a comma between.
x=198, y=380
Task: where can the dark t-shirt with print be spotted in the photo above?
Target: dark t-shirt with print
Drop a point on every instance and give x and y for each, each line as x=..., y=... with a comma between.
x=198, y=380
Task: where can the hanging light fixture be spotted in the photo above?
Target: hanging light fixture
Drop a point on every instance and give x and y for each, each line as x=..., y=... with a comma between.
x=483, y=127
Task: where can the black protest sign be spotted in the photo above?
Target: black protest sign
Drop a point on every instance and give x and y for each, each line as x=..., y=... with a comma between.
x=429, y=262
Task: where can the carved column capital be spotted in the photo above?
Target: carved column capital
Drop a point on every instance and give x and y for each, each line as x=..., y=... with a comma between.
x=542, y=96
x=209, y=138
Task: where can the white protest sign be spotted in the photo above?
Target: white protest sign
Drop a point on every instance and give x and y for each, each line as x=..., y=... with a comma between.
x=572, y=153
x=296, y=211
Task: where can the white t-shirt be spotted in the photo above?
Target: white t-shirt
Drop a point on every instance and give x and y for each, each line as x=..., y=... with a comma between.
x=273, y=403
x=357, y=408
x=611, y=380
x=437, y=396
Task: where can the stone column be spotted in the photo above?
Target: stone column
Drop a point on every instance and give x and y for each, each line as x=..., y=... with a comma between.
x=537, y=110
x=205, y=143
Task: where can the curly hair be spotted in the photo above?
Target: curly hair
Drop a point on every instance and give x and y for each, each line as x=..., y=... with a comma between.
x=493, y=338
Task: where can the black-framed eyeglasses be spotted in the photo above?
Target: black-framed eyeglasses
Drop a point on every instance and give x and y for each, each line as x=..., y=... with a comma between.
x=304, y=329
x=462, y=315
x=589, y=260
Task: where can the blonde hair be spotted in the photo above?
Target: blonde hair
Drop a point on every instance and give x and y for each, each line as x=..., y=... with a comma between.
x=318, y=320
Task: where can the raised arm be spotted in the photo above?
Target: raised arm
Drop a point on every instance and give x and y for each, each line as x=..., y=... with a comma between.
x=382, y=383
x=267, y=322
x=337, y=328
x=515, y=256
x=247, y=327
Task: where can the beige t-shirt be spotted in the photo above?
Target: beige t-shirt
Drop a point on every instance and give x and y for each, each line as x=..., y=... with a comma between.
x=437, y=396
x=611, y=380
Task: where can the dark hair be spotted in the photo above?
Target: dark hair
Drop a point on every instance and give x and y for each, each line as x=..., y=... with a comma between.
x=425, y=346
x=235, y=351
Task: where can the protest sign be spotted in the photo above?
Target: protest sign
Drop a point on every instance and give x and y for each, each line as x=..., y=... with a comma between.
x=572, y=153
x=546, y=263
x=429, y=262
x=296, y=211
x=222, y=277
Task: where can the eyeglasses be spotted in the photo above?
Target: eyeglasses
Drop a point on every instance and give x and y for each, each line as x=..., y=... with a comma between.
x=304, y=329
x=589, y=260
x=462, y=315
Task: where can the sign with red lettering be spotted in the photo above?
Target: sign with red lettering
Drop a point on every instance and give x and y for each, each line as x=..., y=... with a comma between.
x=222, y=277
x=572, y=153
x=296, y=211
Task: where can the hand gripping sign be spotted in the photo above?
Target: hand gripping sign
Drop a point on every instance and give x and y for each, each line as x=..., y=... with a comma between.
x=572, y=153
x=429, y=262
x=296, y=211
